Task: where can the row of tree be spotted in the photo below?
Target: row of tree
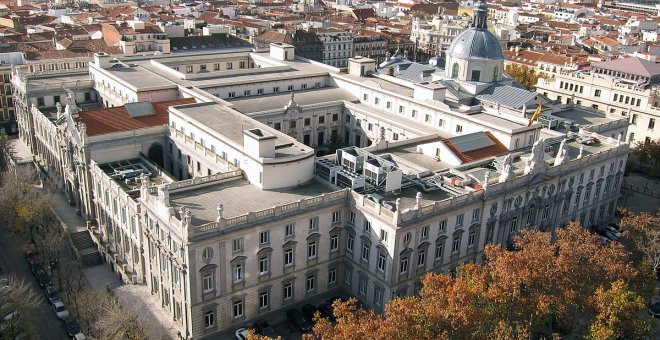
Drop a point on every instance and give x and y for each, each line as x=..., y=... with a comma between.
x=548, y=286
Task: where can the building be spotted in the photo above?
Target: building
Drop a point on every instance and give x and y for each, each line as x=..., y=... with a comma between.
x=201, y=175
x=626, y=87
x=337, y=47
x=136, y=36
x=435, y=36
x=7, y=109
x=370, y=44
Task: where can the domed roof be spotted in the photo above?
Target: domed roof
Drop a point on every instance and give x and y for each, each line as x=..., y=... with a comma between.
x=475, y=44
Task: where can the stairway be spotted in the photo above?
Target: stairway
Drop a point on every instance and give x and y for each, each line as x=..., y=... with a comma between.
x=89, y=254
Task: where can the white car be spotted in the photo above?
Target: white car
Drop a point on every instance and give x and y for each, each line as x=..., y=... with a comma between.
x=60, y=310
x=241, y=334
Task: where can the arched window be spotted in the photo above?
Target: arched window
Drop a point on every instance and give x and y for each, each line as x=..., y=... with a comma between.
x=454, y=71
x=496, y=71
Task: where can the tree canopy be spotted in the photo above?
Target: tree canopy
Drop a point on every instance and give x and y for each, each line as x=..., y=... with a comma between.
x=524, y=75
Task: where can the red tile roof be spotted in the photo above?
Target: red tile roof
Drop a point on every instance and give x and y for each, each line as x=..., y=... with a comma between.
x=115, y=119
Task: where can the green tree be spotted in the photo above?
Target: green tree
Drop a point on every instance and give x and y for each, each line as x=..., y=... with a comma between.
x=619, y=314
x=24, y=205
x=524, y=75
x=647, y=152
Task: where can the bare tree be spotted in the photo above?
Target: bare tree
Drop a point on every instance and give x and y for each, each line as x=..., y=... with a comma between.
x=18, y=297
x=115, y=321
x=23, y=204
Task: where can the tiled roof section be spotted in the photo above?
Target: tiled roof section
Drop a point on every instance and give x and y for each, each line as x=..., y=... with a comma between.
x=494, y=149
x=115, y=119
x=631, y=65
x=208, y=41
x=506, y=95
x=363, y=13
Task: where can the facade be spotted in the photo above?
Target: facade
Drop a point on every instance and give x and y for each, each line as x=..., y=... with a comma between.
x=435, y=36
x=337, y=48
x=370, y=45
x=625, y=87
x=204, y=181
x=7, y=110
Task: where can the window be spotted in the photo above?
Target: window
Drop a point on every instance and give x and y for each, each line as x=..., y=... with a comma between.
x=459, y=220
x=334, y=243
x=651, y=123
x=383, y=235
x=40, y=102
x=443, y=226
x=238, y=273
x=421, y=258
x=441, y=122
x=237, y=244
x=546, y=211
x=362, y=287
x=367, y=226
x=401, y=109
x=403, y=269
x=276, y=89
x=287, y=291
x=439, y=250
x=314, y=223
x=395, y=136
x=207, y=282
x=425, y=231
x=238, y=309
x=381, y=263
x=427, y=118
x=263, y=299
x=260, y=91
x=376, y=100
x=216, y=67
x=288, y=257
x=317, y=84
x=348, y=276
x=332, y=276
x=454, y=71
x=456, y=245
x=189, y=69
x=288, y=230
x=351, y=217
x=597, y=93
x=311, y=282
x=388, y=105
x=311, y=250
x=321, y=119
x=303, y=86
x=475, y=214
x=264, y=237
x=514, y=225
x=365, y=253
x=459, y=129
x=365, y=97
x=290, y=88
x=246, y=93
x=209, y=319
x=230, y=66
x=349, y=243
x=414, y=113
x=336, y=216
x=633, y=120
x=263, y=265
x=471, y=238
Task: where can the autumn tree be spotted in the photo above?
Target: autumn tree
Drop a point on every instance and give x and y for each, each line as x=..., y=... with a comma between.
x=618, y=314
x=23, y=204
x=647, y=152
x=524, y=75
x=642, y=233
x=544, y=285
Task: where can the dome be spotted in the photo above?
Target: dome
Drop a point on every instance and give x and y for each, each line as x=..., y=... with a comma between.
x=475, y=44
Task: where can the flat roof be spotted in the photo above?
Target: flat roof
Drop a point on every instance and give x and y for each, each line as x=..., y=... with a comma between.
x=583, y=117
x=203, y=201
x=261, y=103
x=409, y=153
x=231, y=124
x=497, y=121
x=58, y=80
x=19, y=152
x=139, y=76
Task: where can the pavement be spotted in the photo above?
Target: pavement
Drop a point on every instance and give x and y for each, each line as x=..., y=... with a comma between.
x=640, y=193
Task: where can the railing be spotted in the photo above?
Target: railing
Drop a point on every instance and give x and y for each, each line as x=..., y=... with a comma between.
x=199, y=146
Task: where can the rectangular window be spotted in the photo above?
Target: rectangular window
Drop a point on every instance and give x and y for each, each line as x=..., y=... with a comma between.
x=238, y=309
x=367, y=226
x=651, y=123
x=597, y=93
x=332, y=276
x=334, y=243
x=381, y=262
x=263, y=265
x=376, y=101
x=311, y=250
x=209, y=319
x=287, y=291
x=471, y=238
x=216, y=67
x=459, y=220
x=414, y=113
x=336, y=216
x=207, y=282
x=439, y=249
x=263, y=300
x=237, y=244
x=314, y=223
x=288, y=257
x=475, y=214
x=247, y=93
x=456, y=245
x=443, y=227
x=260, y=91
x=546, y=211
x=311, y=282
x=241, y=64
x=388, y=105
x=348, y=276
x=362, y=287
x=425, y=231
x=349, y=243
x=264, y=237
x=404, y=266
x=401, y=109
x=351, y=217
x=290, y=88
x=421, y=258
x=514, y=225
x=441, y=122
x=365, y=253
x=276, y=89
x=383, y=235
x=288, y=230
x=365, y=97
x=230, y=66
x=459, y=129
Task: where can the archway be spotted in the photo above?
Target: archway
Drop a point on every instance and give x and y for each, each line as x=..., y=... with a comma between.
x=155, y=154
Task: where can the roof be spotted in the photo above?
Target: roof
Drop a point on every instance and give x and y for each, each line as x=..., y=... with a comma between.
x=475, y=43
x=506, y=95
x=475, y=146
x=115, y=119
x=631, y=65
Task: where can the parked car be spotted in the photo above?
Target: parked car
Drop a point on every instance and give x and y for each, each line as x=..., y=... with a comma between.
x=79, y=336
x=52, y=295
x=299, y=320
x=614, y=231
x=586, y=140
x=241, y=334
x=325, y=310
x=30, y=256
x=71, y=326
x=35, y=267
x=263, y=328
x=60, y=310
x=615, y=226
x=309, y=310
x=654, y=309
x=43, y=278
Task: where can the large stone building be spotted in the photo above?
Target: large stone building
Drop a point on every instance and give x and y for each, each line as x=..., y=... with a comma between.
x=200, y=179
x=626, y=87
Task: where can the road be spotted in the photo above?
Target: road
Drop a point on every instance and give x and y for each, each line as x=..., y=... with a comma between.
x=46, y=324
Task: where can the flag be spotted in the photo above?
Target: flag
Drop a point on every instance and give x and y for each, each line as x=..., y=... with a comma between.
x=536, y=114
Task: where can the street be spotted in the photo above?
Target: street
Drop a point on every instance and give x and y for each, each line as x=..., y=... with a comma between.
x=46, y=324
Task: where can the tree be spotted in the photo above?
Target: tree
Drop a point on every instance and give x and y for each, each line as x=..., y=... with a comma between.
x=642, y=232
x=18, y=298
x=647, y=152
x=524, y=75
x=23, y=204
x=618, y=314
x=525, y=293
